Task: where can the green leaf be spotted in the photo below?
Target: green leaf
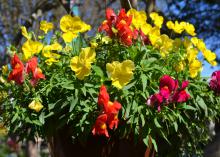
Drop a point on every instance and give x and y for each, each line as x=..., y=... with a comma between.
x=14, y=118
x=73, y=104
x=175, y=126
x=144, y=81
x=83, y=89
x=157, y=123
x=146, y=140
x=41, y=118
x=142, y=119
x=202, y=104
x=188, y=107
x=155, y=144
x=129, y=85
x=98, y=71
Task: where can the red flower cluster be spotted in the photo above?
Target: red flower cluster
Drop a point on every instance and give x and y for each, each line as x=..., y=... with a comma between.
x=118, y=25
x=169, y=93
x=109, y=114
x=18, y=70
x=215, y=82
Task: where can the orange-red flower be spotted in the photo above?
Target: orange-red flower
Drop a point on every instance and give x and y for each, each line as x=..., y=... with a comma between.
x=118, y=26
x=103, y=97
x=17, y=73
x=109, y=111
x=31, y=67
x=100, y=127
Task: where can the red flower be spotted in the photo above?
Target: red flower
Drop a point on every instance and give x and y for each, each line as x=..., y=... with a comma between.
x=103, y=97
x=100, y=127
x=167, y=81
x=155, y=101
x=112, y=120
x=125, y=33
x=17, y=73
x=120, y=24
x=122, y=16
x=145, y=38
x=215, y=82
x=181, y=95
x=112, y=107
x=165, y=92
x=169, y=93
x=109, y=114
x=31, y=67
x=36, y=76
x=110, y=15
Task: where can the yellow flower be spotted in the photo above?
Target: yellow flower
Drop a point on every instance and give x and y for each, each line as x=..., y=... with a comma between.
x=180, y=66
x=30, y=48
x=189, y=28
x=194, y=68
x=199, y=43
x=177, y=44
x=176, y=27
x=192, y=54
x=187, y=43
x=139, y=18
x=120, y=73
x=71, y=26
x=210, y=57
x=35, y=105
x=154, y=35
x=106, y=39
x=165, y=44
x=3, y=130
x=46, y=26
x=81, y=64
x=52, y=57
x=158, y=20
x=146, y=28
x=25, y=33
x=4, y=69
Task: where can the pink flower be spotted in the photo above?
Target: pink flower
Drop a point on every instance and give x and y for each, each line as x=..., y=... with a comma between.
x=167, y=81
x=215, y=82
x=181, y=95
x=169, y=93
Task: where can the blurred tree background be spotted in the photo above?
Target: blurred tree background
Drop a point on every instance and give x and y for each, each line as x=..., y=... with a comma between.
x=204, y=14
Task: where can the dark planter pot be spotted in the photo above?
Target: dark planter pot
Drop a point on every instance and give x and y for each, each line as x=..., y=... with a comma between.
x=61, y=145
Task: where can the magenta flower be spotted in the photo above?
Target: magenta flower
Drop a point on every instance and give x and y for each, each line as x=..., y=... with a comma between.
x=169, y=93
x=215, y=82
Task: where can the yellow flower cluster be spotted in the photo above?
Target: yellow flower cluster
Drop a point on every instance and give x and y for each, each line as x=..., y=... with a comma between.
x=166, y=45
x=208, y=54
x=51, y=56
x=180, y=27
x=30, y=47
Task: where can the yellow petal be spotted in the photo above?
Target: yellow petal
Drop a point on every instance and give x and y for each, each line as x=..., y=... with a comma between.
x=46, y=26
x=50, y=61
x=87, y=54
x=30, y=48
x=68, y=37
x=35, y=105
x=120, y=73
x=24, y=32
